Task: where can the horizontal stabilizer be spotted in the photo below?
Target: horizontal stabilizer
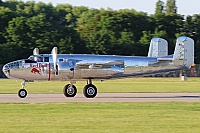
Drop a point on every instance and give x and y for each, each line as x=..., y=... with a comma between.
x=166, y=58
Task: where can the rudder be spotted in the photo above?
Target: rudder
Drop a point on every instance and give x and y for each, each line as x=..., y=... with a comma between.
x=158, y=47
x=184, y=52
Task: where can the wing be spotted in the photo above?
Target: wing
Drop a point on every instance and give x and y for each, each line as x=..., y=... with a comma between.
x=149, y=72
x=101, y=65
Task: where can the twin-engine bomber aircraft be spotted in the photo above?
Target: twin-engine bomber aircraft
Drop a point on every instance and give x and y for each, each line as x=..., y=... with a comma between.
x=74, y=67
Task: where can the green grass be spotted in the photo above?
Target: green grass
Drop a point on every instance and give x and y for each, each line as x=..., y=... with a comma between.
x=120, y=85
x=165, y=117
x=158, y=117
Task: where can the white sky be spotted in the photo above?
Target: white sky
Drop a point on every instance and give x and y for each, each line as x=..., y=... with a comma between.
x=185, y=7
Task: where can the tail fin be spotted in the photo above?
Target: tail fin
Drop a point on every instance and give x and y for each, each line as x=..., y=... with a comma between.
x=158, y=47
x=184, y=52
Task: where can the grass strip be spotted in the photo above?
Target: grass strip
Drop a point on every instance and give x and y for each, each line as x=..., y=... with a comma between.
x=119, y=85
x=164, y=117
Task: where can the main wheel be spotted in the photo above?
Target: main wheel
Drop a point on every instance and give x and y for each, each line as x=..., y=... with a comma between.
x=22, y=93
x=69, y=91
x=90, y=91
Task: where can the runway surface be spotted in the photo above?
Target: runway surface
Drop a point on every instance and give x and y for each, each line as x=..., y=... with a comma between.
x=103, y=97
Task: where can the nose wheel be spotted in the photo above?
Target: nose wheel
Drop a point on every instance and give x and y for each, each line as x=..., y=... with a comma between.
x=22, y=93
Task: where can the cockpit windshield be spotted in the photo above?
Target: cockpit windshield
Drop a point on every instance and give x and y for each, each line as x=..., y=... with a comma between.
x=33, y=59
x=38, y=58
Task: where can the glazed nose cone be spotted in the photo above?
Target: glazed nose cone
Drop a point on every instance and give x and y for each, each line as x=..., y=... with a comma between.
x=6, y=70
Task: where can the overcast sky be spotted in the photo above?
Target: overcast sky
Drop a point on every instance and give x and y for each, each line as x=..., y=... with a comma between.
x=185, y=7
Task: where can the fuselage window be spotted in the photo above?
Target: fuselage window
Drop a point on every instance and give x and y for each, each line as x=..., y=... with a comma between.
x=46, y=59
x=11, y=65
x=20, y=63
x=60, y=60
x=16, y=64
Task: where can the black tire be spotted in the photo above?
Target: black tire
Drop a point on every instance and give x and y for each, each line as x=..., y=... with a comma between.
x=90, y=91
x=69, y=92
x=22, y=93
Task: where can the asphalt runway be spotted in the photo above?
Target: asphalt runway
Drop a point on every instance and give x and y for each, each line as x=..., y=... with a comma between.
x=103, y=97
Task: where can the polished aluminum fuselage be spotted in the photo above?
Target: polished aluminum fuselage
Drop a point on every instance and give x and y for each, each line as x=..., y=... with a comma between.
x=82, y=66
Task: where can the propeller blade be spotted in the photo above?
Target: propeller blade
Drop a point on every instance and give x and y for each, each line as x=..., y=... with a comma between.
x=35, y=53
x=54, y=53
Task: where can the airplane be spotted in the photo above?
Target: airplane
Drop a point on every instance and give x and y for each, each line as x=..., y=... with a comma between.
x=72, y=67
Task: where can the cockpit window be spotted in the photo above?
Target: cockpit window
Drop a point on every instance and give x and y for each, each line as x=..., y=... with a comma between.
x=39, y=59
x=31, y=58
x=35, y=58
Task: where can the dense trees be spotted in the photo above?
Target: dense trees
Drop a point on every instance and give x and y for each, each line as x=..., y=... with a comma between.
x=24, y=26
x=171, y=7
x=159, y=7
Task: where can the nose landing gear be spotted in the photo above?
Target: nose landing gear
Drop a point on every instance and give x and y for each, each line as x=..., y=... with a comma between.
x=22, y=93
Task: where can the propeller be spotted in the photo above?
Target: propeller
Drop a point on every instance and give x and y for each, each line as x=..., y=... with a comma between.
x=35, y=53
x=54, y=53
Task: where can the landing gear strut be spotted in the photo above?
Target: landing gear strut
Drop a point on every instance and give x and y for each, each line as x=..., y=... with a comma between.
x=22, y=93
x=90, y=91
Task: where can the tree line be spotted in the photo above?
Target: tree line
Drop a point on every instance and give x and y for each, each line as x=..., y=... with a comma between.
x=79, y=29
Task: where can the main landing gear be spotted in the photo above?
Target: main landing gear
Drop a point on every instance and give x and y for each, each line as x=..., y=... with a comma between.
x=69, y=90
x=89, y=91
